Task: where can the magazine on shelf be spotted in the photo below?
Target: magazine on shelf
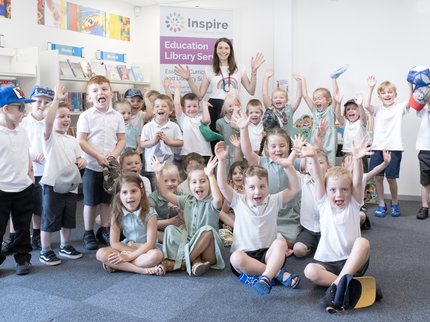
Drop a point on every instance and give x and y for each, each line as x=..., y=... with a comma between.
x=98, y=68
x=77, y=69
x=123, y=72
x=137, y=72
x=112, y=72
x=66, y=70
x=86, y=69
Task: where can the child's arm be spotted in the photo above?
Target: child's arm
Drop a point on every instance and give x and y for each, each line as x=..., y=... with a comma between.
x=299, y=93
x=177, y=99
x=147, y=143
x=221, y=153
x=308, y=100
x=293, y=179
x=166, y=86
x=380, y=167
x=226, y=218
x=309, y=151
x=60, y=94
x=337, y=100
x=120, y=145
x=242, y=122
x=358, y=152
x=215, y=190
x=336, y=90
x=138, y=146
x=363, y=116
x=206, y=117
x=185, y=74
x=267, y=101
x=30, y=171
x=149, y=107
x=255, y=64
x=88, y=149
x=319, y=134
x=236, y=142
x=164, y=192
x=371, y=82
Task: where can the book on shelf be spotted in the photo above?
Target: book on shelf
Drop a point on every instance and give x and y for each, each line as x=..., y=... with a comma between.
x=137, y=72
x=86, y=69
x=65, y=69
x=112, y=72
x=98, y=68
x=6, y=82
x=77, y=69
x=77, y=101
x=117, y=96
x=123, y=72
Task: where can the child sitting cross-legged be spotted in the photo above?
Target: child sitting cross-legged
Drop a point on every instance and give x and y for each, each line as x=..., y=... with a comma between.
x=256, y=250
x=341, y=249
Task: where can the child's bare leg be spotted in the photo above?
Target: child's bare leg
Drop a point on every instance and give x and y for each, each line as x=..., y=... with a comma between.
x=36, y=221
x=357, y=259
x=45, y=240
x=242, y=263
x=65, y=234
x=151, y=258
x=301, y=250
x=392, y=183
x=204, y=248
x=275, y=257
x=319, y=275
x=104, y=214
x=425, y=192
x=362, y=218
x=89, y=215
x=379, y=182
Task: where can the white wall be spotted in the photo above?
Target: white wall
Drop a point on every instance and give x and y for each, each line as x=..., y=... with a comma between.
x=383, y=38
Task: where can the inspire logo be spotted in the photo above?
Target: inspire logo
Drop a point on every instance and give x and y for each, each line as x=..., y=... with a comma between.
x=175, y=22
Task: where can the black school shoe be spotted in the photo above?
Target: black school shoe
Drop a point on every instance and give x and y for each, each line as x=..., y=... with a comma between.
x=103, y=236
x=423, y=213
x=327, y=301
x=23, y=269
x=7, y=246
x=90, y=242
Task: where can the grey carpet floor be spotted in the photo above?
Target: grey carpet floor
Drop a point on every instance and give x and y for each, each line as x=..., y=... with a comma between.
x=80, y=290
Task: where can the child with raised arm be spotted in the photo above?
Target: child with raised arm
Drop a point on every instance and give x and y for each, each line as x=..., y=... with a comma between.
x=197, y=246
x=278, y=103
x=278, y=146
x=191, y=161
x=59, y=209
x=256, y=250
x=353, y=119
x=255, y=110
x=16, y=176
x=387, y=136
x=189, y=118
x=167, y=213
x=423, y=146
x=160, y=136
x=133, y=216
x=341, y=249
x=138, y=101
x=101, y=133
x=320, y=106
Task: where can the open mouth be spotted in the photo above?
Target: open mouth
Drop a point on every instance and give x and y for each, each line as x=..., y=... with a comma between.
x=101, y=100
x=338, y=203
x=199, y=193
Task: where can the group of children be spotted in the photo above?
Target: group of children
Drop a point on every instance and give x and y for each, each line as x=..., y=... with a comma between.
x=154, y=224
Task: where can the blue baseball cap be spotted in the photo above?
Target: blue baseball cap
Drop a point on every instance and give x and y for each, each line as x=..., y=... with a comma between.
x=42, y=91
x=10, y=94
x=132, y=92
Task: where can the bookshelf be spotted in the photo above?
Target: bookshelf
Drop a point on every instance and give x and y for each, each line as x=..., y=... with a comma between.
x=52, y=72
x=20, y=66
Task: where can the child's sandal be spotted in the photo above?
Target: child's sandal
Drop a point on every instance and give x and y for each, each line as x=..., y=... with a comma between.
x=263, y=286
x=200, y=268
x=289, y=282
x=156, y=270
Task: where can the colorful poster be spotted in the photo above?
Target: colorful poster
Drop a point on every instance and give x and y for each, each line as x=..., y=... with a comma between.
x=187, y=37
x=5, y=8
x=118, y=27
x=70, y=16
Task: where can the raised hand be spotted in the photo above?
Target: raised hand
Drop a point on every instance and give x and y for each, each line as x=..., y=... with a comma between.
x=235, y=140
x=360, y=150
x=298, y=142
x=167, y=82
x=387, y=156
x=210, y=167
x=257, y=62
x=322, y=127
x=359, y=99
x=338, y=98
x=183, y=72
x=240, y=119
x=221, y=151
x=60, y=93
x=371, y=81
x=268, y=73
x=156, y=165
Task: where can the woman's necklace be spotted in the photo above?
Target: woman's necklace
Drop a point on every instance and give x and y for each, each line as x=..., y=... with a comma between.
x=226, y=86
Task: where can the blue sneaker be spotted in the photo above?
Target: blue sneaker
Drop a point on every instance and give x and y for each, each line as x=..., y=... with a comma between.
x=395, y=210
x=252, y=279
x=381, y=211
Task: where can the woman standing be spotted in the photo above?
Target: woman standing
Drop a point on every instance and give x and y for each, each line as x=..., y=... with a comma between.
x=224, y=77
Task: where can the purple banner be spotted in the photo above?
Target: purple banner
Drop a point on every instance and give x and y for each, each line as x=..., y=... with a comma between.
x=186, y=50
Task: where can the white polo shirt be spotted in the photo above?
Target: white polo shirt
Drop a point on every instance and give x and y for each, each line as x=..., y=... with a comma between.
x=14, y=161
x=102, y=129
x=193, y=138
x=161, y=150
x=34, y=129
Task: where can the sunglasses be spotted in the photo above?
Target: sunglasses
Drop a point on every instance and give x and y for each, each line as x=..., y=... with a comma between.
x=21, y=106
